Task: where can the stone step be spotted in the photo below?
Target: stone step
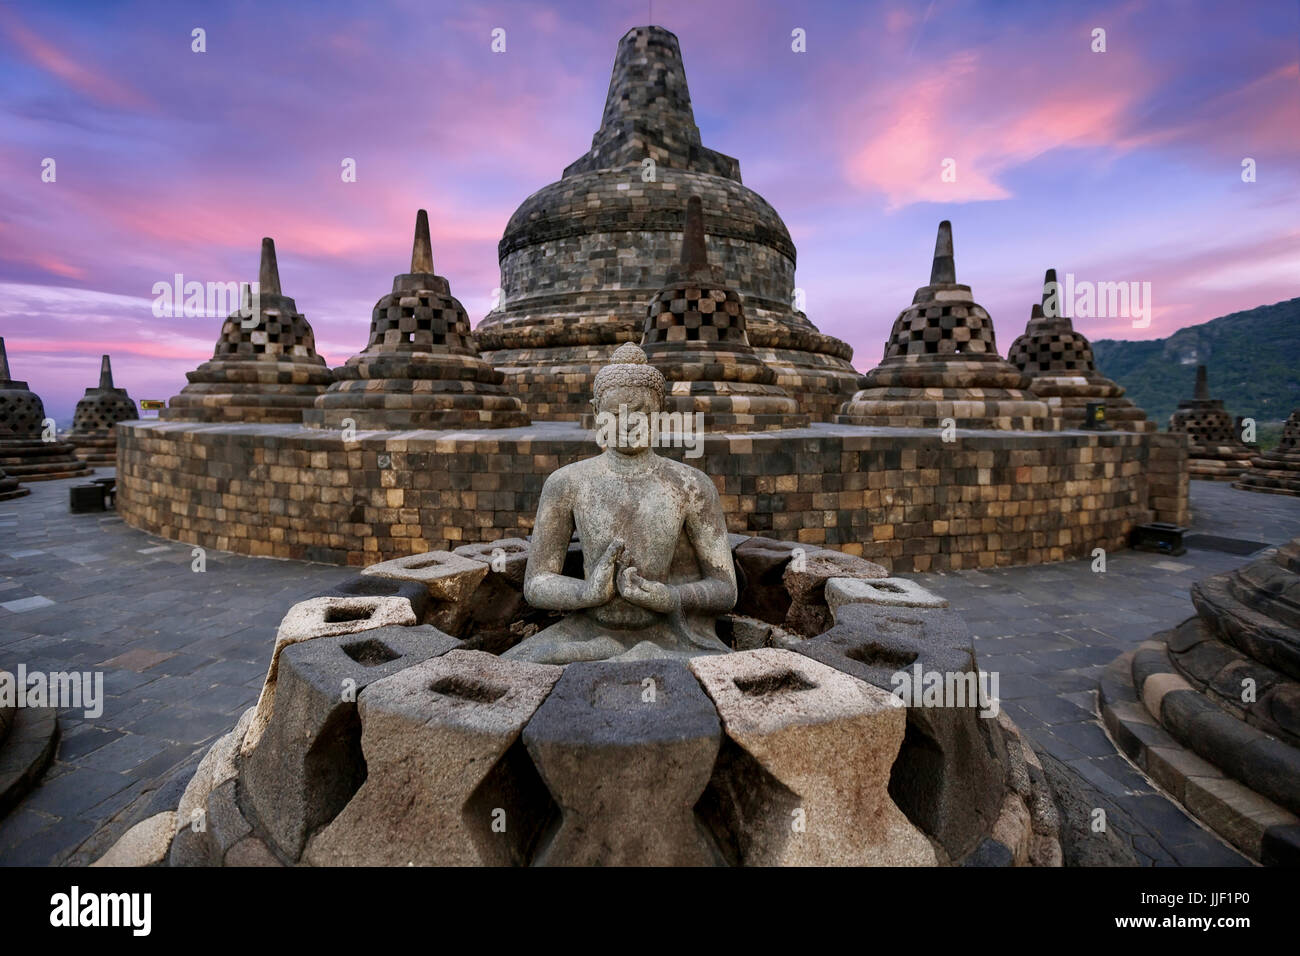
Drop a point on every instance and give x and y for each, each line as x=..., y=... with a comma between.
x=1256, y=634
x=1270, y=589
x=1257, y=827
x=1271, y=701
x=1264, y=763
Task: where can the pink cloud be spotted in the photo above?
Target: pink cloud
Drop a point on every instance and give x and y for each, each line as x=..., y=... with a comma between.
x=75, y=73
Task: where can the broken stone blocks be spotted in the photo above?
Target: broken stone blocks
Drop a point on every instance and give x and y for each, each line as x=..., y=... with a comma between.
x=448, y=576
x=626, y=749
x=322, y=617
x=308, y=763
x=805, y=579
x=948, y=776
x=496, y=617
x=806, y=783
x=451, y=579
x=448, y=781
x=890, y=592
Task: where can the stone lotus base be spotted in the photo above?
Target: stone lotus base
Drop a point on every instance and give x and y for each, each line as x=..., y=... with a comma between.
x=903, y=498
x=393, y=744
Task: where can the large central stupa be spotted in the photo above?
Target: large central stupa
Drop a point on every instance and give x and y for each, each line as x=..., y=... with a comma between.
x=582, y=258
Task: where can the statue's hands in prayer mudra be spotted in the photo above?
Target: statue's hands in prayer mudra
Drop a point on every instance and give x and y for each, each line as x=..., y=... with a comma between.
x=656, y=560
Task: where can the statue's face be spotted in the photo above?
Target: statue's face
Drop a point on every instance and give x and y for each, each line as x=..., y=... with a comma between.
x=626, y=415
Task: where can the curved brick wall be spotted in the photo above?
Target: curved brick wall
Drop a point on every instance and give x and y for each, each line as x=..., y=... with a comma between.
x=900, y=497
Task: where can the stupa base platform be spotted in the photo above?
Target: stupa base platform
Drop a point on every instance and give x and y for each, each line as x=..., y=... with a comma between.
x=903, y=498
x=101, y=452
x=37, y=460
x=7, y=494
x=1215, y=468
x=1272, y=474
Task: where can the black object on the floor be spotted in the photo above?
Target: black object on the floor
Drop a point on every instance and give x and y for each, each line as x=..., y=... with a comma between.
x=1212, y=542
x=1158, y=536
x=83, y=498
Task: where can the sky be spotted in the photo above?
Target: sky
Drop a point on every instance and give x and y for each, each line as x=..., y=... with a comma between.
x=1115, y=166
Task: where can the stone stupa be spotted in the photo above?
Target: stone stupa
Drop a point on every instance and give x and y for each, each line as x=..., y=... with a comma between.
x=421, y=367
x=1215, y=451
x=695, y=335
x=581, y=257
x=1277, y=471
x=265, y=367
x=23, y=452
x=1062, y=370
x=94, y=432
x=941, y=363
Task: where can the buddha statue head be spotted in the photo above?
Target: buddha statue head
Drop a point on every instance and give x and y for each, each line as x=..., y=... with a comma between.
x=628, y=395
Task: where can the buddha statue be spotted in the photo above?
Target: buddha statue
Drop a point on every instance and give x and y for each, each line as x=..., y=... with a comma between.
x=657, y=563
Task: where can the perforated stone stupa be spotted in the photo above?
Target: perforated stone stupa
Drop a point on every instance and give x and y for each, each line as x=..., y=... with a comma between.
x=581, y=257
x=265, y=367
x=23, y=454
x=94, y=432
x=695, y=335
x=1277, y=471
x=1215, y=450
x=421, y=367
x=941, y=362
x=1062, y=369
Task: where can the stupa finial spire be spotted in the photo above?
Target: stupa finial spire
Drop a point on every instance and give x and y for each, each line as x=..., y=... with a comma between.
x=4, y=362
x=1051, y=302
x=268, y=273
x=944, y=270
x=694, y=252
x=105, y=372
x=1202, y=384
x=422, y=249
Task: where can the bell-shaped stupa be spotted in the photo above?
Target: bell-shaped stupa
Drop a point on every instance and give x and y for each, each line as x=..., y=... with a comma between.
x=94, y=431
x=1062, y=370
x=1277, y=471
x=24, y=454
x=581, y=257
x=1215, y=450
x=421, y=368
x=265, y=367
x=942, y=364
x=695, y=335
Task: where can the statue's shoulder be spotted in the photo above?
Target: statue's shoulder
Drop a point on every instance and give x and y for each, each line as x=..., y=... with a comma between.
x=566, y=475
x=688, y=475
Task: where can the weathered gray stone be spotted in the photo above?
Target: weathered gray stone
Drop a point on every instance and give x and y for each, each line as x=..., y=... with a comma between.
x=448, y=576
x=626, y=749
x=948, y=777
x=889, y=592
x=448, y=782
x=316, y=618
x=826, y=740
x=145, y=844
x=805, y=579
x=308, y=763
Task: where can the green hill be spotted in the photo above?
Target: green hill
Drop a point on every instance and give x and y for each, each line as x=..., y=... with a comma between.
x=1252, y=357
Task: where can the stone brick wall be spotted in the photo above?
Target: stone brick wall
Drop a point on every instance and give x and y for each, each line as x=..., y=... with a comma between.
x=1167, y=478
x=900, y=497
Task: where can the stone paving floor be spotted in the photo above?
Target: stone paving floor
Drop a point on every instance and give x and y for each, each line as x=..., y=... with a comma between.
x=184, y=653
